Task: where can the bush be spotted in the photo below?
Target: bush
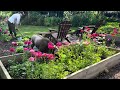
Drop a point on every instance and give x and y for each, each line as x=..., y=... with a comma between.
x=86, y=18
x=52, y=21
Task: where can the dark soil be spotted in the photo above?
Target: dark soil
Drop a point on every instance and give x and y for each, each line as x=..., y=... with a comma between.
x=112, y=73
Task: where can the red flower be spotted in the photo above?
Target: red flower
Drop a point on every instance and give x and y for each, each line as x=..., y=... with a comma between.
x=14, y=43
x=12, y=49
x=26, y=42
x=50, y=45
x=113, y=34
x=94, y=35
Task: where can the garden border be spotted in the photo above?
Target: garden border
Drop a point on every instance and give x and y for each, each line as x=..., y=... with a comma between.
x=88, y=72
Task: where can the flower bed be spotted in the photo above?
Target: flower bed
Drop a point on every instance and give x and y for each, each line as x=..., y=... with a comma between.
x=68, y=59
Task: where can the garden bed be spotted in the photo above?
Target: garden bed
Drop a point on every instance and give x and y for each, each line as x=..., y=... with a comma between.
x=4, y=47
x=85, y=73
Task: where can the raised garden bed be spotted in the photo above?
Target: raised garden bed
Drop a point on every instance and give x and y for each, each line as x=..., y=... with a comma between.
x=85, y=73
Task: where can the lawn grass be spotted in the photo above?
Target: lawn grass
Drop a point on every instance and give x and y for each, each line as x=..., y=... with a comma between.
x=29, y=30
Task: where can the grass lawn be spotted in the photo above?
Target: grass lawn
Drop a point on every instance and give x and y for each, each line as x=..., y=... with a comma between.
x=29, y=30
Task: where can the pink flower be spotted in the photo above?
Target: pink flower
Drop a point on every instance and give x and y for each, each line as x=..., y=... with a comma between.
x=115, y=30
x=31, y=59
x=81, y=30
x=0, y=29
x=26, y=49
x=94, y=40
x=102, y=35
x=58, y=44
x=26, y=42
x=32, y=51
x=88, y=29
x=38, y=54
x=50, y=45
x=108, y=39
x=44, y=54
x=29, y=42
x=6, y=31
x=66, y=43
x=94, y=35
x=12, y=49
x=50, y=56
x=14, y=43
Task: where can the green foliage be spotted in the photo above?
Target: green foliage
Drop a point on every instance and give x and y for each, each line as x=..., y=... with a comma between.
x=87, y=18
x=52, y=21
x=108, y=27
x=4, y=34
x=19, y=49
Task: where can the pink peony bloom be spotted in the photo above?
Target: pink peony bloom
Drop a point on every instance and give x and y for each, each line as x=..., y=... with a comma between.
x=29, y=42
x=44, y=54
x=58, y=44
x=14, y=43
x=12, y=49
x=31, y=59
x=38, y=54
x=32, y=51
x=50, y=45
x=50, y=56
x=26, y=49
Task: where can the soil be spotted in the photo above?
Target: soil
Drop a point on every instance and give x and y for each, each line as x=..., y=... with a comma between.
x=112, y=73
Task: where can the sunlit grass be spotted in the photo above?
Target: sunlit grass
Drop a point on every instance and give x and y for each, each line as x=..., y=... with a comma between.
x=28, y=30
